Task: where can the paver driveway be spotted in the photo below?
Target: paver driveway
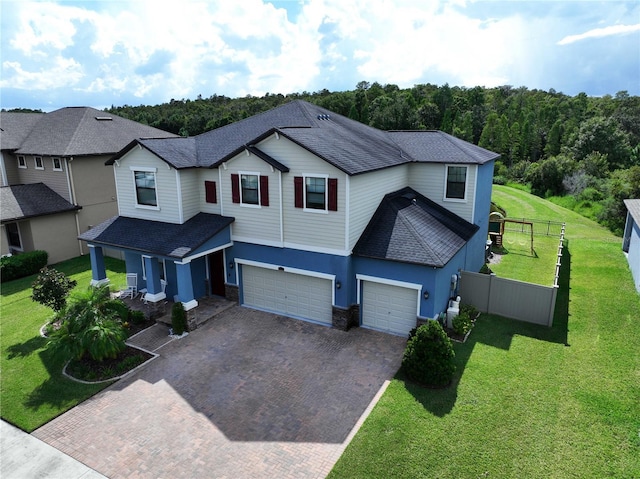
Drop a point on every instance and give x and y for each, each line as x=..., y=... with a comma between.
x=249, y=394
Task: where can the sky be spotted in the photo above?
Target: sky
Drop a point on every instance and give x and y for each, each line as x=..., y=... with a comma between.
x=146, y=52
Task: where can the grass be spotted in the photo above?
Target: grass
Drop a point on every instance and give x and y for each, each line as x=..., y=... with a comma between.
x=32, y=388
x=527, y=401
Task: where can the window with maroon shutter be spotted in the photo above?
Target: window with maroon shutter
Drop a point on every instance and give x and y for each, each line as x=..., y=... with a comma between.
x=210, y=192
x=235, y=188
x=264, y=190
x=332, y=198
x=298, y=185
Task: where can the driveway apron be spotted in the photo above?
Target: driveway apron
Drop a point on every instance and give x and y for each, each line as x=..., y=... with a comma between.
x=249, y=394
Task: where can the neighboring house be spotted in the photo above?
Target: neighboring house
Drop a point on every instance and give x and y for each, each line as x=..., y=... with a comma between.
x=631, y=239
x=303, y=212
x=64, y=153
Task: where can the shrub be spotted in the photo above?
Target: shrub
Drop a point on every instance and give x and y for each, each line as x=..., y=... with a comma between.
x=51, y=288
x=178, y=318
x=21, y=265
x=470, y=309
x=136, y=317
x=428, y=357
x=462, y=323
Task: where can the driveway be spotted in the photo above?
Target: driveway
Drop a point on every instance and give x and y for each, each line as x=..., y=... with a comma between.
x=248, y=394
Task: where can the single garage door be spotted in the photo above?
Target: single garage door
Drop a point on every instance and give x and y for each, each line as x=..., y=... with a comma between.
x=287, y=293
x=389, y=308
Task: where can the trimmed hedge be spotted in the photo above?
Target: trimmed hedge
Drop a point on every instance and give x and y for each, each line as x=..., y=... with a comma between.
x=21, y=265
x=428, y=357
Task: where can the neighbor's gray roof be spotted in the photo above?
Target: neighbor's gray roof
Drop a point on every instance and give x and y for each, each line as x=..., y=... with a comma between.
x=346, y=144
x=82, y=131
x=15, y=127
x=28, y=201
x=410, y=228
x=634, y=209
x=155, y=237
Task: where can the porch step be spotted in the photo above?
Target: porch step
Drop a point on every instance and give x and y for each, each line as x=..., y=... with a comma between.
x=207, y=308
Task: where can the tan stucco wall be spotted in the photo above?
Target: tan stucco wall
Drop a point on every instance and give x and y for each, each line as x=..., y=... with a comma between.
x=4, y=245
x=57, y=235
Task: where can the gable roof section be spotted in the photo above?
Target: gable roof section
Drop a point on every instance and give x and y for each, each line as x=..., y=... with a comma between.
x=82, y=131
x=15, y=127
x=409, y=228
x=634, y=209
x=28, y=201
x=156, y=237
x=439, y=147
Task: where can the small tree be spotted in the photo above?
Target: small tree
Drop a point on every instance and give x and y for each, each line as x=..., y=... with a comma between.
x=178, y=318
x=428, y=358
x=51, y=288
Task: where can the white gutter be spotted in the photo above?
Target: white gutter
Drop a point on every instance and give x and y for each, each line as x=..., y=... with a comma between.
x=74, y=202
x=5, y=181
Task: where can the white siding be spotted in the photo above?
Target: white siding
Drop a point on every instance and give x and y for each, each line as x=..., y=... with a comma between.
x=429, y=180
x=166, y=187
x=189, y=184
x=210, y=175
x=312, y=230
x=253, y=223
x=366, y=191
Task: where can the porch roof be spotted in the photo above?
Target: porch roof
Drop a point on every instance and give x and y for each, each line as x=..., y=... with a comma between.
x=158, y=238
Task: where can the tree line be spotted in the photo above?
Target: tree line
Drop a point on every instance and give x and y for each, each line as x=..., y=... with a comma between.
x=579, y=151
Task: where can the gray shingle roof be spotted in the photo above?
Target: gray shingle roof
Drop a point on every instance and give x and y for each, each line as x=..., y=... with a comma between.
x=348, y=145
x=155, y=237
x=28, y=201
x=634, y=208
x=410, y=228
x=82, y=131
x=15, y=127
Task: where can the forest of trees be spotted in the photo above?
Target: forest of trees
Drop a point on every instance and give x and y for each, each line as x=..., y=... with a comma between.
x=581, y=152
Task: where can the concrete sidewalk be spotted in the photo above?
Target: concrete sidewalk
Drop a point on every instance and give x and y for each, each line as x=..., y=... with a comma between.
x=24, y=456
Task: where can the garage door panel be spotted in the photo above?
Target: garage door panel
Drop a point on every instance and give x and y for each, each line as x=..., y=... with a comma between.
x=389, y=308
x=288, y=293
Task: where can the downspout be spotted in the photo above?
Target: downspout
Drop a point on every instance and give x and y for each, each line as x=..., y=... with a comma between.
x=74, y=202
x=5, y=181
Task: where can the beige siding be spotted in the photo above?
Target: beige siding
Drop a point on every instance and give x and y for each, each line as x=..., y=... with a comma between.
x=189, y=183
x=429, y=180
x=4, y=242
x=365, y=193
x=316, y=231
x=10, y=163
x=166, y=187
x=56, y=180
x=211, y=175
x=260, y=224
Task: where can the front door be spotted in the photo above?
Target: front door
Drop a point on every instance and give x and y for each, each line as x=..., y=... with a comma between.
x=216, y=273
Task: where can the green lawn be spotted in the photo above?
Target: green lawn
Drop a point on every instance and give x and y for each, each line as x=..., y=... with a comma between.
x=32, y=388
x=527, y=401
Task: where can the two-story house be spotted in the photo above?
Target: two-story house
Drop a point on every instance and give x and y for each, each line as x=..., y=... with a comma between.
x=55, y=184
x=303, y=212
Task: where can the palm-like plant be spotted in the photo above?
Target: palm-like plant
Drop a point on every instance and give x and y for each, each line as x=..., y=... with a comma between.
x=91, y=323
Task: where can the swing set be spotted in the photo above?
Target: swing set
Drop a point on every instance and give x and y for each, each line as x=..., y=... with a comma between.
x=522, y=240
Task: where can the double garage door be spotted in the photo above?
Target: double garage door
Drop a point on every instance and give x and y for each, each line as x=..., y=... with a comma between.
x=291, y=294
x=389, y=308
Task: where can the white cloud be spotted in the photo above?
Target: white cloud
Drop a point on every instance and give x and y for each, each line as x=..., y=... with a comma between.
x=60, y=73
x=601, y=33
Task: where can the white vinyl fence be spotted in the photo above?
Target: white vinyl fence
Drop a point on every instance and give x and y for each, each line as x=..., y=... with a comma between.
x=511, y=298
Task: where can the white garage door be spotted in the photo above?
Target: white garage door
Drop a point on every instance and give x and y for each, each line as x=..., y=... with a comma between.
x=389, y=308
x=291, y=294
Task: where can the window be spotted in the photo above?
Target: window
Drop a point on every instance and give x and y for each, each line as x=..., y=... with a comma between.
x=250, y=189
x=13, y=235
x=316, y=193
x=456, y=182
x=163, y=269
x=57, y=164
x=22, y=161
x=210, y=195
x=146, y=188
x=38, y=162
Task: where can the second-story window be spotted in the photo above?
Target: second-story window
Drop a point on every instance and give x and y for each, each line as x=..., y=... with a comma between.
x=146, y=188
x=57, y=164
x=315, y=193
x=22, y=161
x=249, y=189
x=456, y=182
x=38, y=162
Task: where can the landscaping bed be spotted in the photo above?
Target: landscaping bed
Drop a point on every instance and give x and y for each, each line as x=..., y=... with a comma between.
x=89, y=370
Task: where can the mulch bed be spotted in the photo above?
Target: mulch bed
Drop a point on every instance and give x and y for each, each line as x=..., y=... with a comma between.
x=86, y=369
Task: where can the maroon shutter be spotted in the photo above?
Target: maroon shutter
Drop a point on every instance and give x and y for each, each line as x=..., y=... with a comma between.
x=332, y=198
x=235, y=188
x=210, y=192
x=298, y=191
x=264, y=190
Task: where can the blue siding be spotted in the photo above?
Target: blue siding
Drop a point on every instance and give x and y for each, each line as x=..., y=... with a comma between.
x=633, y=256
x=476, y=245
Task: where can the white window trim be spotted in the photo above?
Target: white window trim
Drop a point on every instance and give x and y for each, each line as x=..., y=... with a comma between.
x=17, y=248
x=35, y=162
x=324, y=211
x=24, y=162
x=145, y=169
x=466, y=184
x=53, y=163
x=249, y=173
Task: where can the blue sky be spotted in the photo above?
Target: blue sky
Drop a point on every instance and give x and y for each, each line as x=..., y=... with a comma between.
x=102, y=53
